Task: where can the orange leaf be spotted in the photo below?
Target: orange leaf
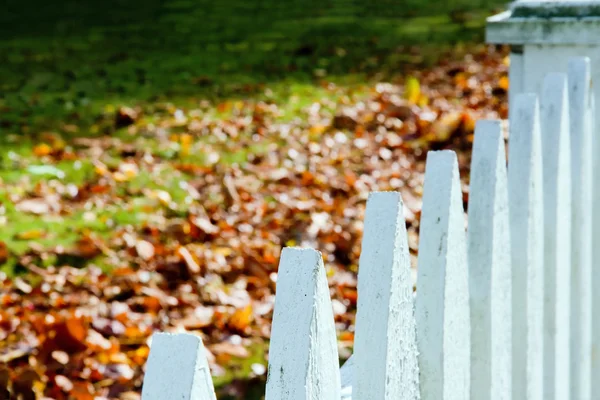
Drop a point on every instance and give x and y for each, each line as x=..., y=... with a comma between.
x=71, y=334
x=241, y=318
x=42, y=149
x=503, y=83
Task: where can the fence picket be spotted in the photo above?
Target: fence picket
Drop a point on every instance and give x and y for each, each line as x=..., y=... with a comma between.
x=580, y=114
x=177, y=369
x=556, y=165
x=385, y=350
x=525, y=191
x=488, y=243
x=595, y=256
x=442, y=304
x=303, y=355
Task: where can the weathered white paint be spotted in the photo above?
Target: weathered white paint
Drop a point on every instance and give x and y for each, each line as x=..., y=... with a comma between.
x=546, y=22
x=516, y=74
x=556, y=161
x=525, y=188
x=580, y=113
x=596, y=256
x=177, y=369
x=442, y=303
x=488, y=243
x=303, y=355
x=346, y=376
x=385, y=349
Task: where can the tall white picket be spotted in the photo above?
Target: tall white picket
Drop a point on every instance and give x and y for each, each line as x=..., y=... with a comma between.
x=525, y=190
x=442, y=304
x=596, y=256
x=177, y=369
x=580, y=114
x=556, y=165
x=303, y=355
x=385, y=349
x=488, y=243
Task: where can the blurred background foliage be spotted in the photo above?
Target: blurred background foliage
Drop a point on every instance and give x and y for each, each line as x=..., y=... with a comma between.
x=66, y=60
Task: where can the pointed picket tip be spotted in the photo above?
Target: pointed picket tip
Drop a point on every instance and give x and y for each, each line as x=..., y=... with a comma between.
x=303, y=354
x=177, y=368
x=442, y=304
x=556, y=165
x=488, y=241
x=385, y=351
x=581, y=120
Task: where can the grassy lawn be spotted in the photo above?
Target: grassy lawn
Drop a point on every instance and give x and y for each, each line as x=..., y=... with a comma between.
x=70, y=67
x=68, y=63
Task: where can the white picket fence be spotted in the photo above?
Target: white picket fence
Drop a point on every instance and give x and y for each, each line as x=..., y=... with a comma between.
x=503, y=310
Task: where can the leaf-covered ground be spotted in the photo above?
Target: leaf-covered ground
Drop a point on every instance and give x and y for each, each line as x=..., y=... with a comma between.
x=175, y=221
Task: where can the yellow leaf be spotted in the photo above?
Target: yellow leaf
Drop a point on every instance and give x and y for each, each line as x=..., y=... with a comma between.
x=412, y=92
x=316, y=130
x=186, y=144
x=31, y=234
x=224, y=251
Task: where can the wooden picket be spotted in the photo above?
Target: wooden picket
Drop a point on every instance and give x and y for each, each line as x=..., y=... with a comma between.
x=385, y=349
x=526, y=223
x=556, y=156
x=177, y=368
x=506, y=309
x=303, y=361
x=490, y=276
x=442, y=306
x=580, y=115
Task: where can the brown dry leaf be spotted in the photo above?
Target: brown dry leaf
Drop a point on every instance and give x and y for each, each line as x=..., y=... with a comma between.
x=71, y=334
x=125, y=116
x=443, y=129
x=4, y=381
x=144, y=249
x=205, y=225
x=191, y=263
x=229, y=349
x=37, y=206
x=3, y=252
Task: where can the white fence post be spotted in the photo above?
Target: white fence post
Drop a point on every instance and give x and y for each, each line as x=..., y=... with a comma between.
x=177, y=369
x=385, y=349
x=525, y=191
x=442, y=305
x=488, y=242
x=303, y=354
x=580, y=114
x=556, y=165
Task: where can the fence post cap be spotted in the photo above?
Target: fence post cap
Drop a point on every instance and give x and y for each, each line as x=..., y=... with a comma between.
x=546, y=22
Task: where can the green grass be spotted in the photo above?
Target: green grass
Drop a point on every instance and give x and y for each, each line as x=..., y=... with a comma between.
x=64, y=64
